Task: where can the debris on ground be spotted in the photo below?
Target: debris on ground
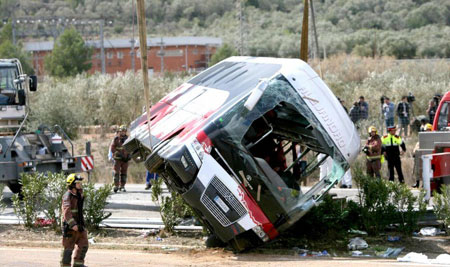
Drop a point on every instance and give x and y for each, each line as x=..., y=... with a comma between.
x=442, y=259
x=358, y=253
x=158, y=238
x=393, y=238
x=414, y=257
x=41, y=222
x=169, y=249
x=392, y=252
x=357, y=243
x=151, y=232
x=357, y=232
x=91, y=240
x=421, y=258
x=429, y=231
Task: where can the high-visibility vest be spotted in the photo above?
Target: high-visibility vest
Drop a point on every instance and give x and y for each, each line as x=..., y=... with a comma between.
x=396, y=140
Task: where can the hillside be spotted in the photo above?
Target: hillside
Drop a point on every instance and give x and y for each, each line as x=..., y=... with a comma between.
x=401, y=28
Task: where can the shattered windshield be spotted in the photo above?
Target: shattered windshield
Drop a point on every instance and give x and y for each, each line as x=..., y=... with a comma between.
x=255, y=145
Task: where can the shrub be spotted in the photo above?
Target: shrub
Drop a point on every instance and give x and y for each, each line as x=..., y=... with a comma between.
x=52, y=197
x=383, y=203
x=43, y=193
x=94, y=204
x=2, y=204
x=442, y=205
x=172, y=208
x=33, y=186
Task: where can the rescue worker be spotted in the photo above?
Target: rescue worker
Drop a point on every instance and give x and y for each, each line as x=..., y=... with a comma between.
x=121, y=159
x=74, y=232
x=391, y=146
x=373, y=153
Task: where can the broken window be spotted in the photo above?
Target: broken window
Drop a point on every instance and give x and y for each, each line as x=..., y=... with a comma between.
x=253, y=146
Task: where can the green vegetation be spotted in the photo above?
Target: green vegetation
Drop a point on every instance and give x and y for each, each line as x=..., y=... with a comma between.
x=222, y=53
x=8, y=50
x=273, y=27
x=43, y=192
x=442, y=205
x=381, y=205
x=172, y=208
x=70, y=55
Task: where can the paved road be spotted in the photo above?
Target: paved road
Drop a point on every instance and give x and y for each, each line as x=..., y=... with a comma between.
x=18, y=257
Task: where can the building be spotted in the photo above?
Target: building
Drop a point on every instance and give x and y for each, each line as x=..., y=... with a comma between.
x=174, y=54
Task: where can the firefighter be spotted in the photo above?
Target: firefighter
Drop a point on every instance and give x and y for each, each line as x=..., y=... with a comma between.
x=121, y=159
x=74, y=232
x=373, y=153
x=391, y=145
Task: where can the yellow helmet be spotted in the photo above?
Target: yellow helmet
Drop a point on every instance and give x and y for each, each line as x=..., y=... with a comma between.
x=428, y=127
x=372, y=128
x=73, y=178
x=123, y=127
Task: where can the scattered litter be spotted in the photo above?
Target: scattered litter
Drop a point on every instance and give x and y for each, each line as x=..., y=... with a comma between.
x=429, y=231
x=392, y=252
x=169, y=249
x=356, y=253
x=159, y=238
x=91, y=240
x=357, y=243
x=189, y=221
x=414, y=257
x=150, y=232
x=393, y=238
x=442, y=259
x=358, y=232
x=299, y=250
x=43, y=222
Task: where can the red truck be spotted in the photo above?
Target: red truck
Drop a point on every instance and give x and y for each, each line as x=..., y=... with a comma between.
x=433, y=154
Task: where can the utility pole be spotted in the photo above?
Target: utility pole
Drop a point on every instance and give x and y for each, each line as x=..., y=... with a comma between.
x=102, y=46
x=143, y=48
x=133, y=63
x=161, y=53
x=316, y=39
x=241, y=30
x=304, y=37
x=13, y=25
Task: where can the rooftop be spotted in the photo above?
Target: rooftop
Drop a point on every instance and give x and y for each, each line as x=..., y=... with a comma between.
x=124, y=43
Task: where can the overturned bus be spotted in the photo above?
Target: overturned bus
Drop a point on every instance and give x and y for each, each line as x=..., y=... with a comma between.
x=228, y=142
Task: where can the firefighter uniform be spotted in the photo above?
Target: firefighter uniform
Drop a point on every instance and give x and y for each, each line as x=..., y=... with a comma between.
x=72, y=215
x=121, y=159
x=373, y=156
x=391, y=145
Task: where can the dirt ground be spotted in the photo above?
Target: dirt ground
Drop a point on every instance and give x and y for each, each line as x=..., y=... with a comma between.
x=114, y=247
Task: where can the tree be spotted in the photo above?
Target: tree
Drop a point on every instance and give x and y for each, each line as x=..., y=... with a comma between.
x=9, y=50
x=399, y=47
x=222, y=53
x=70, y=55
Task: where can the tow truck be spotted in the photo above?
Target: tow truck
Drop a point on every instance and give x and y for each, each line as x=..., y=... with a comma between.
x=22, y=152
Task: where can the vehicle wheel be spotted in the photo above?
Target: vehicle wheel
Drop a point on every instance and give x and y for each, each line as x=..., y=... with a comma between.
x=15, y=187
x=214, y=241
x=240, y=244
x=153, y=162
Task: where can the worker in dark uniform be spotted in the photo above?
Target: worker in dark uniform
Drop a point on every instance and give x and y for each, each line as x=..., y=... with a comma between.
x=74, y=232
x=373, y=153
x=391, y=145
x=121, y=159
